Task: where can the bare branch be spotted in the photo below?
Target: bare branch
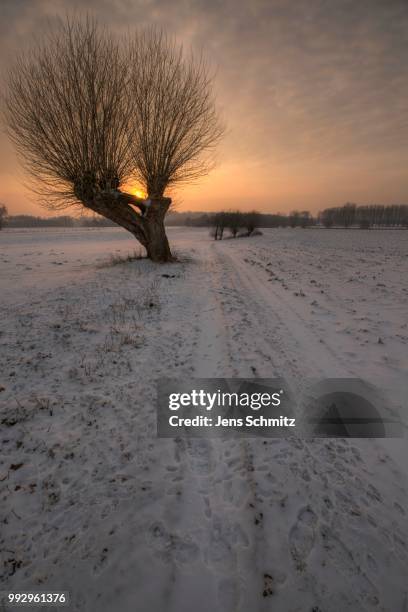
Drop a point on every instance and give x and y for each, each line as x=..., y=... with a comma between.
x=68, y=114
x=176, y=123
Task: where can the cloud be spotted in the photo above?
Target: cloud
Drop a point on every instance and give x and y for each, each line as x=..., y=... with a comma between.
x=303, y=84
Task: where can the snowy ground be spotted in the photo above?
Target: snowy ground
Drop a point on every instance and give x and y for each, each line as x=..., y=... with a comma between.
x=93, y=503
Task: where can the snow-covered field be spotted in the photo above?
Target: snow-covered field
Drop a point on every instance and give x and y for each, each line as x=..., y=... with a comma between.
x=92, y=502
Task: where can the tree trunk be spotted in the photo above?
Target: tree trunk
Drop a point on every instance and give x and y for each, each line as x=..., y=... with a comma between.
x=157, y=244
x=147, y=226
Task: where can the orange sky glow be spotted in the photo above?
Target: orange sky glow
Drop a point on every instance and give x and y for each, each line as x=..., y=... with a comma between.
x=314, y=99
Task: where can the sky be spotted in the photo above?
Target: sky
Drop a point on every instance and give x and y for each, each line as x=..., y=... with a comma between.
x=314, y=94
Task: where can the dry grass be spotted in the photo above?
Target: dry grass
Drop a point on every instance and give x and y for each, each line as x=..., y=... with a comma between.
x=116, y=260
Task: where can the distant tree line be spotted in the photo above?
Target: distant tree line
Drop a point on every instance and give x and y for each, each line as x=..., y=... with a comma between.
x=348, y=215
x=19, y=221
x=373, y=215
x=240, y=223
x=203, y=219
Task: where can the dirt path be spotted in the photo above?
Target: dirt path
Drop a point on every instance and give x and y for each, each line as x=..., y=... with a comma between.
x=280, y=518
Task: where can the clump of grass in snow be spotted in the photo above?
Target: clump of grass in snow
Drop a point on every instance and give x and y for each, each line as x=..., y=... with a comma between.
x=115, y=260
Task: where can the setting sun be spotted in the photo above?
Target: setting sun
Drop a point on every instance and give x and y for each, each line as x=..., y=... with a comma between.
x=139, y=193
x=135, y=189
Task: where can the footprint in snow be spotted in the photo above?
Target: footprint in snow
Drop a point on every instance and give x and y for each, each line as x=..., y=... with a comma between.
x=302, y=537
x=180, y=548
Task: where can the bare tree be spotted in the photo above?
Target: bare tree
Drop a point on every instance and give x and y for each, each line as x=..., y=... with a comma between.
x=220, y=225
x=305, y=218
x=294, y=218
x=3, y=215
x=234, y=222
x=87, y=116
x=252, y=221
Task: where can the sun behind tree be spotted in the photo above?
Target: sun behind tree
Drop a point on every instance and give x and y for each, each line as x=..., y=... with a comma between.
x=88, y=116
